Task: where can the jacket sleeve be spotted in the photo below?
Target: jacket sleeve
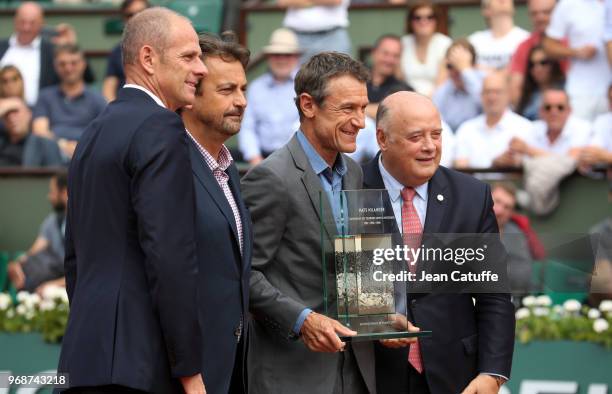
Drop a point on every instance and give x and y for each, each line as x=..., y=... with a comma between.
x=164, y=203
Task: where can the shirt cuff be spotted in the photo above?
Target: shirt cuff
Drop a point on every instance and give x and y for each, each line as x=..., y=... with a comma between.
x=495, y=374
x=300, y=320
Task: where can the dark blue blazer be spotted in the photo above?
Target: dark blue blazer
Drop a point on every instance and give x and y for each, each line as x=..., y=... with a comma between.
x=131, y=267
x=467, y=339
x=223, y=285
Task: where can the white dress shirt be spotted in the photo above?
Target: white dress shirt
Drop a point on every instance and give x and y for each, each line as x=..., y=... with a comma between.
x=576, y=133
x=481, y=144
x=317, y=18
x=602, y=131
x=27, y=59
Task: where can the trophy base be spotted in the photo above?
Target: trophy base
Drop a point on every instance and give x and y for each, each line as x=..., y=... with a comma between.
x=374, y=336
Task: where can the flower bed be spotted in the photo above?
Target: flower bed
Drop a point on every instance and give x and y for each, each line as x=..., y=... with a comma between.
x=32, y=313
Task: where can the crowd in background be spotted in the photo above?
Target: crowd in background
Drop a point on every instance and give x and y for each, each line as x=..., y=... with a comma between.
x=539, y=99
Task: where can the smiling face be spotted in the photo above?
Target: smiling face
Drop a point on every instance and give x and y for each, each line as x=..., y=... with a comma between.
x=540, y=67
x=386, y=56
x=410, y=138
x=28, y=22
x=555, y=109
x=221, y=101
x=11, y=83
x=70, y=67
x=539, y=13
x=179, y=68
x=333, y=125
x=423, y=22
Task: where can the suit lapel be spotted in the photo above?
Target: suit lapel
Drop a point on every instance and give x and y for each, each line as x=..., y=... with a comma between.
x=312, y=183
x=437, y=200
x=244, y=214
x=208, y=181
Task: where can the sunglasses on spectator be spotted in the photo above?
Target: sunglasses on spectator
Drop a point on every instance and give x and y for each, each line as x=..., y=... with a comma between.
x=419, y=18
x=559, y=107
x=542, y=63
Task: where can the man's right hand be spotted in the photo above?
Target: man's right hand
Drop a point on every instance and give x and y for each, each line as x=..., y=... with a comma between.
x=16, y=275
x=193, y=384
x=320, y=333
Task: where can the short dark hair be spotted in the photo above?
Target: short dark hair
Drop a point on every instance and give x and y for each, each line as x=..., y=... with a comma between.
x=61, y=179
x=315, y=74
x=225, y=47
x=72, y=49
x=506, y=186
x=380, y=39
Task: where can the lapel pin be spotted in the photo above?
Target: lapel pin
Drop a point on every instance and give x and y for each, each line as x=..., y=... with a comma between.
x=440, y=198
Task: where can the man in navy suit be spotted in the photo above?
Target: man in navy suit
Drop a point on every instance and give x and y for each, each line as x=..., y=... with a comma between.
x=131, y=267
x=223, y=228
x=471, y=348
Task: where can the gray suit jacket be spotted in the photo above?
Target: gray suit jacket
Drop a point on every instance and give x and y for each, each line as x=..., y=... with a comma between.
x=282, y=194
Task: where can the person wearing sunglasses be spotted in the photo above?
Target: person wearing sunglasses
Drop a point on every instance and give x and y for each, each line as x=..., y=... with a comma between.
x=542, y=72
x=423, y=48
x=558, y=132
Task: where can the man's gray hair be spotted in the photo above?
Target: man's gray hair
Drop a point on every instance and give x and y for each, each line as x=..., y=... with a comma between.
x=382, y=115
x=149, y=27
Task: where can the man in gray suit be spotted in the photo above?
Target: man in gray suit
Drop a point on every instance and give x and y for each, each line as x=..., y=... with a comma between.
x=294, y=348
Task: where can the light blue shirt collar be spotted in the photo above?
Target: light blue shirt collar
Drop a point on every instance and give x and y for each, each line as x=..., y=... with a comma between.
x=316, y=161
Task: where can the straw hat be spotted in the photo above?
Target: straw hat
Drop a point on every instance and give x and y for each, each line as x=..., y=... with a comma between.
x=282, y=42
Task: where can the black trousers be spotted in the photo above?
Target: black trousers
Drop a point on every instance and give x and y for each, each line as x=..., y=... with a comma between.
x=238, y=382
x=395, y=375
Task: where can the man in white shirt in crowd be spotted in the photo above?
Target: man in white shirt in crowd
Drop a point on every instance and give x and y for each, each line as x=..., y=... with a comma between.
x=557, y=132
x=320, y=25
x=482, y=142
x=600, y=147
x=496, y=45
x=271, y=117
x=582, y=23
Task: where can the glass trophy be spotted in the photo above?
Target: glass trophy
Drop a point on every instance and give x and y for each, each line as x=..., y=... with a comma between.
x=363, y=290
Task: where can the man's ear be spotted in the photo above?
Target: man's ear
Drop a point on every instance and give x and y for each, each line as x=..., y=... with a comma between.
x=382, y=139
x=308, y=105
x=147, y=57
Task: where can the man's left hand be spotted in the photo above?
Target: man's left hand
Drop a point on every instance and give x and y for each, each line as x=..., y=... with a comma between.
x=483, y=384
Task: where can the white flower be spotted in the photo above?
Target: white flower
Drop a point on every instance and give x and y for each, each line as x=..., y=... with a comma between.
x=543, y=300
x=55, y=292
x=572, y=305
x=522, y=313
x=594, y=313
x=10, y=313
x=47, y=305
x=540, y=311
x=22, y=296
x=558, y=309
x=5, y=301
x=529, y=301
x=600, y=325
x=605, y=306
x=29, y=315
x=21, y=309
x=31, y=301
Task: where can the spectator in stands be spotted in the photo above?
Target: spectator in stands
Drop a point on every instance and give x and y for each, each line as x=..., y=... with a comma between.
x=482, y=142
x=539, y=14
x=542, y=73
x=271, y=117
x=458, y=98
x=115, y=77
x=11, y=82
x=558, y=132
x=43, y=264
x=320, y=25
x=18, y=147
x=385, y=62
x=581, y=22
x=423, y=48
x=608, y=30
x=27, y=51
x=520, y=258
x=599, y=150
x=496, y=45
x=63, y=111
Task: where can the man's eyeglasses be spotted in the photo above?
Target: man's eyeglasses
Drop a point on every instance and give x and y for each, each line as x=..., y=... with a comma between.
x=419, y=18
x=559, y=107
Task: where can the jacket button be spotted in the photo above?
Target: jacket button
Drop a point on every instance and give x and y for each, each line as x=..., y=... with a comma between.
x=237, y=331
x=413, y=303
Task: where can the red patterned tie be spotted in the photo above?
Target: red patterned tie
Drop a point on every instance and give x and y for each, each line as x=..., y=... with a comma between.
x=412, y=231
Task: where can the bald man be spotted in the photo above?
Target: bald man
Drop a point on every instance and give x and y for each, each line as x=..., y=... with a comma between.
x=471, y=349
x=131, y=269
x=28, y=51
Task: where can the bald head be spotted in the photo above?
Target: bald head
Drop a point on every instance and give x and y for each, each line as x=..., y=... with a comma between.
x=152, y=27
x=404, y=106
x=28, y=22
x=495, y=93
x=409, y=134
